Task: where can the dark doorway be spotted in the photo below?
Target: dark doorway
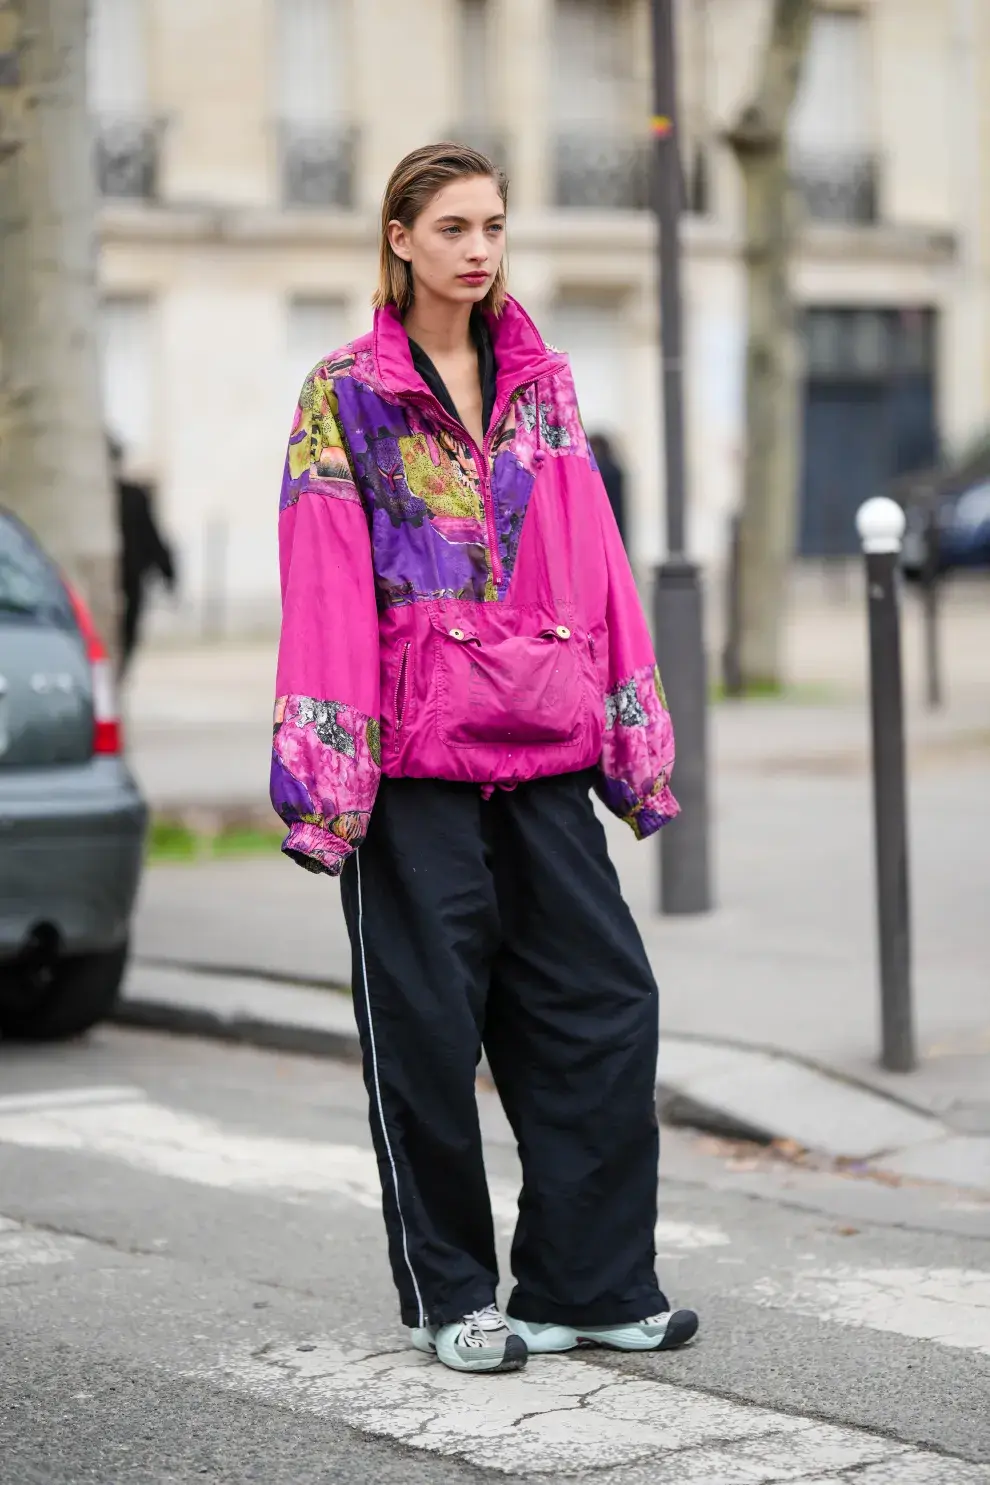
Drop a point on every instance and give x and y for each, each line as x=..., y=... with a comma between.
x=869, y=415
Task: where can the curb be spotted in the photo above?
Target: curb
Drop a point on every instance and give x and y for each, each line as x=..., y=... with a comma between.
x=677, y=1108
x=239, y=972
x=748, y=1093
x=253, y=1031
x=282, y=1036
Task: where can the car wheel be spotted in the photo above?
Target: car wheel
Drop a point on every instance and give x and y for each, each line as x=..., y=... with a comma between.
x=78, y=992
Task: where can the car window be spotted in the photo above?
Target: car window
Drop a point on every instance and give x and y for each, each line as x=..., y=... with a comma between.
x=30, y=588
x=973, y=508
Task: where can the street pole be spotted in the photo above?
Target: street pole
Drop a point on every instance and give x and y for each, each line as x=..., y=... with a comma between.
x=685, y=885
x=880, y=523
x=930, y=598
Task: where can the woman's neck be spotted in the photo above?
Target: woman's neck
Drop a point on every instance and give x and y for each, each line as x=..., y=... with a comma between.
x=440, y=327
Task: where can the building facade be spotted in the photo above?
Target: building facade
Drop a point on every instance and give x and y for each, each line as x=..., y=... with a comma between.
x=242, y=147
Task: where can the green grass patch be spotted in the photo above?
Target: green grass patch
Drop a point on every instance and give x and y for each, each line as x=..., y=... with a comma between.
x=810, y=693
x=171, y=841
x=247, y=840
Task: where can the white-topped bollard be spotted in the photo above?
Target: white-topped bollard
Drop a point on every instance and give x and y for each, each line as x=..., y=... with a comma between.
x=880, y=523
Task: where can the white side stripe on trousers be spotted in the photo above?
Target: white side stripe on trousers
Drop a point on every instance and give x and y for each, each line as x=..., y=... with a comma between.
x=378, y=1091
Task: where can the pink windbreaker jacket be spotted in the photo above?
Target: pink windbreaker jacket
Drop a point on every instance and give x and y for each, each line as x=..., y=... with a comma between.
x=450, y=611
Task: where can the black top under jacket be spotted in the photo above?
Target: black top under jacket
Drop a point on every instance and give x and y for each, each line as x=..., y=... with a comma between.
x=486, y=372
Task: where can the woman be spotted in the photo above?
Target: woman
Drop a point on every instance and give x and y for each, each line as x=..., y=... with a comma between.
x=463, y=657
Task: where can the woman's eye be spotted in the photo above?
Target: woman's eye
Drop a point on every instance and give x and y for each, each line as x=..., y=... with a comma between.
x=450, y=231
x=497, y=227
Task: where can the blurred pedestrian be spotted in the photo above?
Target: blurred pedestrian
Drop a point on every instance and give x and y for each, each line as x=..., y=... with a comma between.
x=143, y=551
x=613, y=478
x=463, y=657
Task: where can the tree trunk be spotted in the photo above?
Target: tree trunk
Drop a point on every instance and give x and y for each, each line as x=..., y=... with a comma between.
x=53, y=457
x=770, y=480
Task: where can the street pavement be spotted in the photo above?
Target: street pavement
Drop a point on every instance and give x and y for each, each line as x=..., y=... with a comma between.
x=192, y=1273
x=194, y=1287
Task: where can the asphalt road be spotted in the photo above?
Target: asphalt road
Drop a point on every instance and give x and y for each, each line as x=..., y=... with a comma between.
x=193, y=1287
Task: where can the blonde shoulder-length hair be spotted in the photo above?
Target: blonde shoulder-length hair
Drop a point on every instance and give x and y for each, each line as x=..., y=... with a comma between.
x=412, y=185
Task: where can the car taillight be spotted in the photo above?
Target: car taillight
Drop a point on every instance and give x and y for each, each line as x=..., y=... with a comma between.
x=107, y=731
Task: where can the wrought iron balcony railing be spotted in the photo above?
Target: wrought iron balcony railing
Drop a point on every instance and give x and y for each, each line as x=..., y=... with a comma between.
x=128, y=153
x=837, y=187
x=601, y=171
x=317, y=165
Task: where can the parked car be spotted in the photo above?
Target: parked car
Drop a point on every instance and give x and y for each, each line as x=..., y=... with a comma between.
x=72, y=821
x=958, y=493
x=962, y=528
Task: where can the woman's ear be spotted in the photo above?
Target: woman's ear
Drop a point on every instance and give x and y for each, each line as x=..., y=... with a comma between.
x=398, y=237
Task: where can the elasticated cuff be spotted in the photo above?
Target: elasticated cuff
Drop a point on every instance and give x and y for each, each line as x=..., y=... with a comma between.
x=316, y=849
x=657, y=810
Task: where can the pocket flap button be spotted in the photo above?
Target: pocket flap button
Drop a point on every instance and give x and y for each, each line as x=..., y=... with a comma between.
x=563, y=632
x=457, y=634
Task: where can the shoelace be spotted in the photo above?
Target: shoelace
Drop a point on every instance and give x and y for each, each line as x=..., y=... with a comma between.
x=479, y=1324
x=660, y=1319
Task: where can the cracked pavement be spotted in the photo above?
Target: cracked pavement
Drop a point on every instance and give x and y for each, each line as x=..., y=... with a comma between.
x=193, y=1287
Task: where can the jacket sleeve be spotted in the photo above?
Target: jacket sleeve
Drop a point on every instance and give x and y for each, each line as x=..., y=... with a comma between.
x=326, y=751
x=638, y=747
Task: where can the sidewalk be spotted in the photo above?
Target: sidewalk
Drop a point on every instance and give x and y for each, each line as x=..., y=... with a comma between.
x=785, y=963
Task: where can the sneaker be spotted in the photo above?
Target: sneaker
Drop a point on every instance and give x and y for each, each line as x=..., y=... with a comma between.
x=658, y=1333
x=479, y=1342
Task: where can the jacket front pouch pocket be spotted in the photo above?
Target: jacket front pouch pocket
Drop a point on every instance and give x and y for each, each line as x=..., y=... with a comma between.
x=510, y=691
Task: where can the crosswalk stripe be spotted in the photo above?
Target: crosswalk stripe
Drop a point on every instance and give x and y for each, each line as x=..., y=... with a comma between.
x=562, y=1414
x=148, y=1136
x=23, y=1247
x=55, y=1098
x=949, y=1307
x=165, y=1142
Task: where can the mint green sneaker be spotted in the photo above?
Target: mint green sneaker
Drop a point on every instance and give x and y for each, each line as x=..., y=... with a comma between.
x=658, y=1333
x=479, y=1342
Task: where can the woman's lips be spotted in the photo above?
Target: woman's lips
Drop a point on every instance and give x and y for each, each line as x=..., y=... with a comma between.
x=472, y=278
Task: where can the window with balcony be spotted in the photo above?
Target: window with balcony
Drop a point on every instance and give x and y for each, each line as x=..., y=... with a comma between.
x=317, y=143
x=475, y=124
x=127, y=134
x=601, y=157
x=833, y=163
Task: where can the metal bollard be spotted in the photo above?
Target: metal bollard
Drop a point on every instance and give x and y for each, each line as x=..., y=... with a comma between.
x=931, y=593
x=880, y=523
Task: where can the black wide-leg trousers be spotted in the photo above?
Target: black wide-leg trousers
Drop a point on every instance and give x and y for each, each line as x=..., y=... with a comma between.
x=499, y=924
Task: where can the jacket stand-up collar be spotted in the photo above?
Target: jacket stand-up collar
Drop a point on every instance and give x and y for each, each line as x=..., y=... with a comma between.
x=521, y=354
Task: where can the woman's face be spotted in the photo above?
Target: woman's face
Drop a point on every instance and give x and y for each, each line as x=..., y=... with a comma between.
x=456, y=243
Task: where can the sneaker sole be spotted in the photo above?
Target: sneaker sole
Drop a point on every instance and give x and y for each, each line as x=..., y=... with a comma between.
x=682, y=1327
x=514, y=1357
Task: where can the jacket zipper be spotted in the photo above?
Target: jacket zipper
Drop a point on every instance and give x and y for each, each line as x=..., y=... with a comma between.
x=489, y=505
x=401, y=685
x=480, y=456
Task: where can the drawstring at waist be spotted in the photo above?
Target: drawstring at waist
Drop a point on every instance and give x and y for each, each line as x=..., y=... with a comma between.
x=487, y=790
